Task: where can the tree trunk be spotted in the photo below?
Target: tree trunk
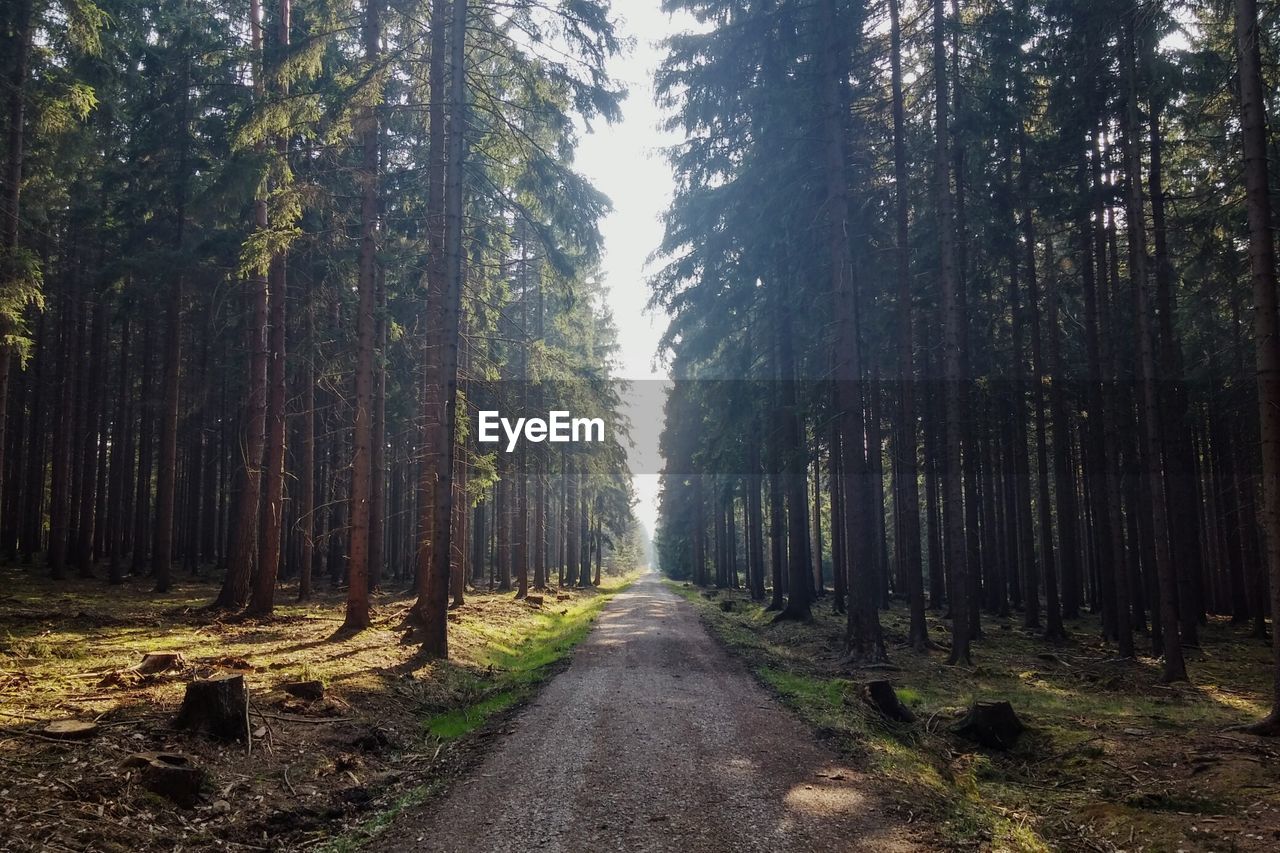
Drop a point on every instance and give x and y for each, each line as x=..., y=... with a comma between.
x=907, y=489
x=89, y=448
x=1262, y=263
x=357, y=617
x=244, y=529
x=864, y=641
x=1174, y=667
x=307, y=481
x=953, y=326
x=1054, y=630
x=1179, y=461
x=433, y=599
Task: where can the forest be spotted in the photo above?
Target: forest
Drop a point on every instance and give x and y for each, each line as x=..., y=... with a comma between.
x=973, y=318
x=261, y=261
x=969, y=516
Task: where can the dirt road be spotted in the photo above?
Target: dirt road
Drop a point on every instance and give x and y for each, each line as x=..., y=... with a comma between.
x=654, y=739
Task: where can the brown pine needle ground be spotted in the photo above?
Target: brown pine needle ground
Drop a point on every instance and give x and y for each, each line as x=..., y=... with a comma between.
x=388, y=731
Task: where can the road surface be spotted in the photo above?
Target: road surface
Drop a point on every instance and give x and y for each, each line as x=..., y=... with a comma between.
x=654, y=739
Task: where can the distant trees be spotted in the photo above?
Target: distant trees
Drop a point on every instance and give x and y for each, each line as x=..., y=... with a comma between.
x=221, y=344
x=1027, y=468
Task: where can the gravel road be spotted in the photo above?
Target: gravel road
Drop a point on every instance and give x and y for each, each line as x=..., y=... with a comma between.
x=654, y=739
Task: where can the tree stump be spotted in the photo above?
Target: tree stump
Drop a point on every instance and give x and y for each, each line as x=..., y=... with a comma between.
x=310, y=690
x=169, y=775
x=70, y=729
x=992, y=724
x=879, y=694
x=218, y=706
x=154, y=662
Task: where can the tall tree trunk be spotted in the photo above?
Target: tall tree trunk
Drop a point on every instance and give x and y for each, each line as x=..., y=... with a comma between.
x=167, y=467
x=864, y=641
x=244, y=528
x=120, y=461
x=792, y=457
x=146, y=450
x=357, y=617
x=1054, y=630
x=433, y=600
x=1179, y=461
x=839, y=550
x=818, y=581
x=271, y=520
x=60, y=483
x=953, y=326
x=1174, y=666
x=1114, y=571
x=1064, y=470
x=1266, y=323
x=83, y=546
x=307, y=481
x=907, y=489
x=378, y=444
x=520, y=529
x=1024, y=524
x=573, y=548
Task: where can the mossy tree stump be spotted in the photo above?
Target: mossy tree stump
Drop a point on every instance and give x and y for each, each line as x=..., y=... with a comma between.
x=992, y=724
x=879, y=694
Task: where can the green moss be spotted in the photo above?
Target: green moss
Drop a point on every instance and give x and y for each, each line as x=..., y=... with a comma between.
x=455, y=724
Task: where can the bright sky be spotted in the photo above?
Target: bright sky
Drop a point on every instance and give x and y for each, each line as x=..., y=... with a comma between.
x=625, y=162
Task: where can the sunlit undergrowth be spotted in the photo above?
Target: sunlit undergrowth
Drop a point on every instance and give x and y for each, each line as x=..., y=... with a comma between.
x=1112, y=759
x=512, y=660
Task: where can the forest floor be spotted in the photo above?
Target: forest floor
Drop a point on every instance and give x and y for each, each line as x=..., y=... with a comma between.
x=1112, y=759
x=327, y=774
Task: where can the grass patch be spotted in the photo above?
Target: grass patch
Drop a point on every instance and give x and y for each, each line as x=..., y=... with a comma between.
x=455, y=724
x=515, y=658
x=1112, y=758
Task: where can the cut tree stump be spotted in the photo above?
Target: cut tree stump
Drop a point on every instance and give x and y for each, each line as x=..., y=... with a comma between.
x=169, y=775
x=311, y=690
x=879, y=694
x=70, y=729
x=992, y=724
x=154, y=662
x=218, y=706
